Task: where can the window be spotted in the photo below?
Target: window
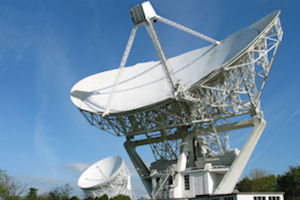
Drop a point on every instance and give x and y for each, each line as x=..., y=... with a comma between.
x=228, y=198
x=170, y=180
x=260, y=198
x=274, y=198
x=186, y=182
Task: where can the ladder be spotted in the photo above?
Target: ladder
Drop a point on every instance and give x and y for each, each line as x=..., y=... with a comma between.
x=163, y=182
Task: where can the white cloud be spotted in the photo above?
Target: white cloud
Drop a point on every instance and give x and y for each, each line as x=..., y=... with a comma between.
x=41, y=139
x=77, y=166
x=44, y=150
x=53, y=80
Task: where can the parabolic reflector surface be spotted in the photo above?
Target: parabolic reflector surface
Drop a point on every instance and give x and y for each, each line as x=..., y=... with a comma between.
x=100, y=173
x=145, y=84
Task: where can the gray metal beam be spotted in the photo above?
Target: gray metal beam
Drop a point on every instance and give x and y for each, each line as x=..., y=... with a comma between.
x=139, y=165
x=225, y=127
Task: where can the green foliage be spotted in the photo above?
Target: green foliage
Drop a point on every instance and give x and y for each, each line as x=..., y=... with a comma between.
x=44, y=197
x=74, y=198
x=9, y=189
x=60, y=193
x=259, y=181
x=289, y=183
x=120, y=197
x=103, y=197
x=3, y=192
x=89, y=198
x=245, y=185
x=32, y=194
x=258, y=173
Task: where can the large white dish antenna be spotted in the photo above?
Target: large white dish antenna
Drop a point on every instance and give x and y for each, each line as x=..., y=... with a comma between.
x=108, y=176
x=183, y=108
x=145, y=84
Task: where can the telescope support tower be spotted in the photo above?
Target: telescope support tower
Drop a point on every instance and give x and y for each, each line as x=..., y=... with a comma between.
x=189, y=131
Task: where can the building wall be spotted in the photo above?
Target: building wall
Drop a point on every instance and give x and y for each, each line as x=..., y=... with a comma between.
x=260, y=196
x=244, y=196
x=202, y=183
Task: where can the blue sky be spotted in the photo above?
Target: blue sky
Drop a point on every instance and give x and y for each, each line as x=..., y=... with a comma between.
x=47, y=46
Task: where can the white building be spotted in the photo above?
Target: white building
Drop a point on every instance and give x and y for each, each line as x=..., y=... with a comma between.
x=244, y=196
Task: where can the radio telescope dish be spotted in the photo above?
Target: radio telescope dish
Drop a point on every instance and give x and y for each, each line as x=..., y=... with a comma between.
x=108, y=176
x=145, y=84
x=184, y=107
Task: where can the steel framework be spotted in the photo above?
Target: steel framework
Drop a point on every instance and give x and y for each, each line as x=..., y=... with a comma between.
x=225, y=100
x=228, y=93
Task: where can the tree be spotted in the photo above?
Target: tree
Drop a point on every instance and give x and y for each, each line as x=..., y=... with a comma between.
x=103, y=197
x=245, y=185
x=88, y=198
x=3, y=191
x=289, y=183
x=258, y=181
x=258, y=173
x=9, y=187
x=74, y=198
x=44, y=196
x=32, y=194
x=120, y=197
x=60, y=192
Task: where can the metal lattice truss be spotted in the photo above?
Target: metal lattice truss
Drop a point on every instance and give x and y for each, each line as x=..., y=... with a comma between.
x=226, y=99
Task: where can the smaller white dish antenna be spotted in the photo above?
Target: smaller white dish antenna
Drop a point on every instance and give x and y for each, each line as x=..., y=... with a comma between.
x=108, y=176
